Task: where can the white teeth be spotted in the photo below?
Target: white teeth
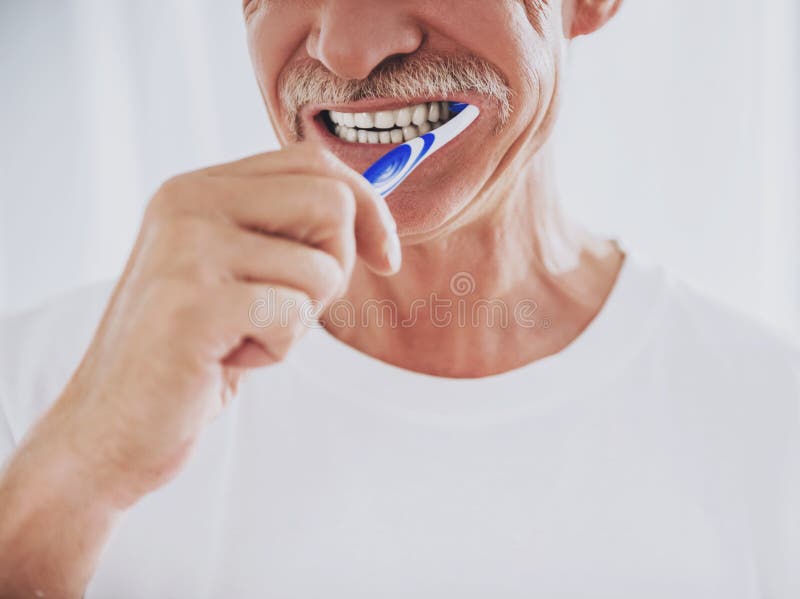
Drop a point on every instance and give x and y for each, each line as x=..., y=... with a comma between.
x=402, y=117
x=384, y=119
x=420, y=114
x=433, y=112
x=389, y=126
x=410, y=132
x=364, y=120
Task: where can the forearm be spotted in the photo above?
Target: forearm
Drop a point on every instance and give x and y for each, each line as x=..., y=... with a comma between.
x=53, y=520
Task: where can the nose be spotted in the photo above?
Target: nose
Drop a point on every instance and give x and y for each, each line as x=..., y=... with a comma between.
x=352, y=37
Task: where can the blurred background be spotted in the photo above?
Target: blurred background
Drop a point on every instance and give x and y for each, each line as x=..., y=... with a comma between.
x=680, y=136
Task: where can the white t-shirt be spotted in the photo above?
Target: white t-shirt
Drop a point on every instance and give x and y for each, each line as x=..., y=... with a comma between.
x=657, y=457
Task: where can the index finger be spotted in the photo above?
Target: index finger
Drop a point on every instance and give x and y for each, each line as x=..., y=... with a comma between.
x=375, y=229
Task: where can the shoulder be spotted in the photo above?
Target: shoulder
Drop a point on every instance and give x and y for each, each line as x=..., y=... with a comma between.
x=40, y=348
x=703, y=354
x=719, y=363
x=726, y=387
x=727, y=336
x=680, y=320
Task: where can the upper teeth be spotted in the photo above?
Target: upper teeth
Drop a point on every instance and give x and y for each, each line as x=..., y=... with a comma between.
x=394, y=126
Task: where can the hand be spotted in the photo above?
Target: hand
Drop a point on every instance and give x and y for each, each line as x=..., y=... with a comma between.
x=178, y=331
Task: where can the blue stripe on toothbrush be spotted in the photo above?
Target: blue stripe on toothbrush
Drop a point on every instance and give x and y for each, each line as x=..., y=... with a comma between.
x=427, y=140
x=391, y=170
x=388, y=166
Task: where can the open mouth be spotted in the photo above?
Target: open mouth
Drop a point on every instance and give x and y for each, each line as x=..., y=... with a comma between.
x=387, y=126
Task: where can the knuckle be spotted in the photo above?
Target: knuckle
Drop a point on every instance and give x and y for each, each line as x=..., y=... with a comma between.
x=182, y=246
x=349, y=251
x=289, y=324
x=187, y=233
x=325, y=275
x=167, y=196
x=184, y=194
x=293, y=317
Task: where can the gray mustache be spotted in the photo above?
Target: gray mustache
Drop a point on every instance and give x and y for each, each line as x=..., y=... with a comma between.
x=405, y=78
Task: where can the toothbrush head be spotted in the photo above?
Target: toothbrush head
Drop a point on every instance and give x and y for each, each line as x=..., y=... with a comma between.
x=456, y=107
x=394, y=167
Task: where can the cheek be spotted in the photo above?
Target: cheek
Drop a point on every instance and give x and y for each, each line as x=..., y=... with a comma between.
x=501, y=32
x=529, y=60
x=536, y=83
x=275, y=39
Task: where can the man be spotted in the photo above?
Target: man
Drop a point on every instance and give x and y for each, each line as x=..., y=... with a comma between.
x=513, y=407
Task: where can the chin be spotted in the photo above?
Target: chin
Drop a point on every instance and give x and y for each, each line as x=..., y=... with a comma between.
x=428, y=202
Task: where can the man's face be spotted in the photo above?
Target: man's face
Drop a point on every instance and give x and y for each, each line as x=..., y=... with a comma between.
x=320, y=62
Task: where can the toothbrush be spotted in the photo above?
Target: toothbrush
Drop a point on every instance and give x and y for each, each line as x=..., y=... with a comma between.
x=393, y=167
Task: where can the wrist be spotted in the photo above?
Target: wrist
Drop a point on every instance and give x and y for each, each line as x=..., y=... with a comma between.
x=49, y=461
x=54, y=519
x=117, y=467
x=64, y=450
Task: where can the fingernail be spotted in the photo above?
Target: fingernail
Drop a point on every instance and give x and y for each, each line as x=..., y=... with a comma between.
x=392, y=252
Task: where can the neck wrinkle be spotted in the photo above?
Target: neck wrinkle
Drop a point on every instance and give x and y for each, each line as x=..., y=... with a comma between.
x=517, y=245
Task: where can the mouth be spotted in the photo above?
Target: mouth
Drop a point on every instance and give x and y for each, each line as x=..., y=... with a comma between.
x=385, y=127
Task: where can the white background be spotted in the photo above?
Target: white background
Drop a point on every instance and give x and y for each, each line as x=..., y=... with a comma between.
x=681, y=135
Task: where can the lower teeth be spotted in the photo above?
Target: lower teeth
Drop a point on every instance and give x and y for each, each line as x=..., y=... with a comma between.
x=385, y=136
x=396, y=135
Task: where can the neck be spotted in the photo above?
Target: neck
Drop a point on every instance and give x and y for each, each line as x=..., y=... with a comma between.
x=517, y=283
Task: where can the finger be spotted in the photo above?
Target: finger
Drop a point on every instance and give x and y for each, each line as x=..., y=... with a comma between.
x=375, y=226
x=253, y=316
x=316, y=211
x=259, y=258
x=319, y=211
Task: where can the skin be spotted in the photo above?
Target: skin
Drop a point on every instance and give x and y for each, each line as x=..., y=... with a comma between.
x=493, y=213
x=302, y=224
